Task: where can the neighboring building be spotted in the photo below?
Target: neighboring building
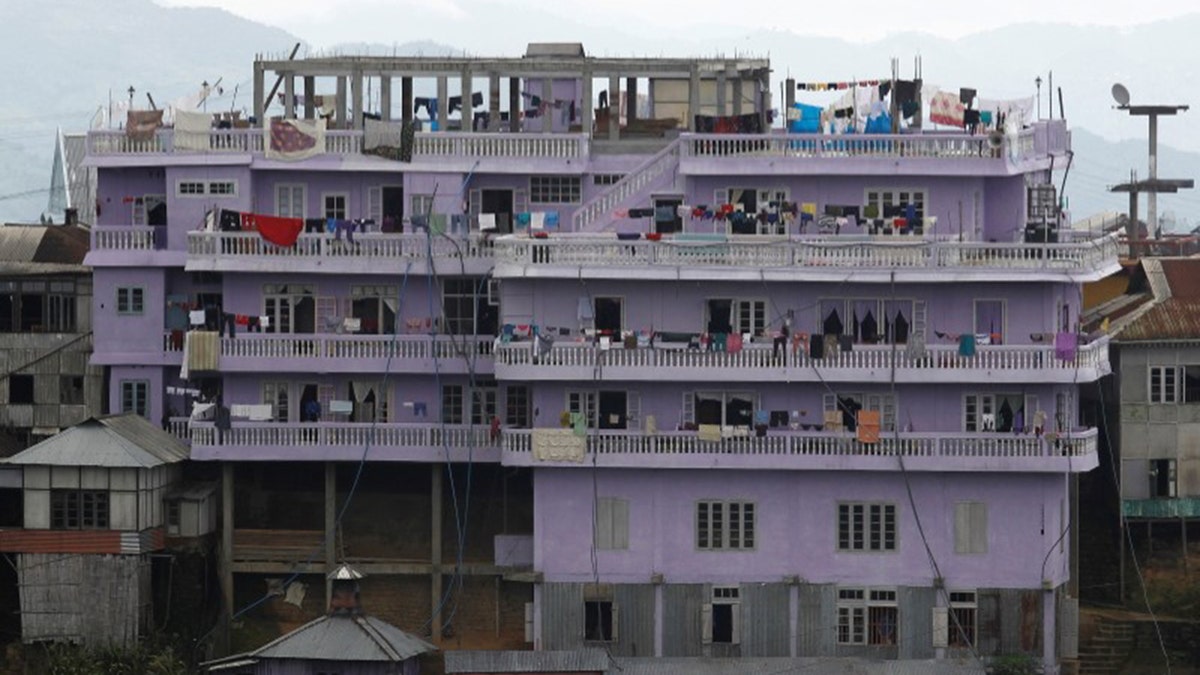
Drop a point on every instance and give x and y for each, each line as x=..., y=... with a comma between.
x=46, y=384
x=1156, y=413
x=733, y=394
x=90, y=502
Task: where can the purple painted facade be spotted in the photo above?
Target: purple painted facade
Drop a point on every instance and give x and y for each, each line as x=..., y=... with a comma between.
x=957, y=425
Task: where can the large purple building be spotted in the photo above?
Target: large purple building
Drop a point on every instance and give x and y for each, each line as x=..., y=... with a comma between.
x=744, y=392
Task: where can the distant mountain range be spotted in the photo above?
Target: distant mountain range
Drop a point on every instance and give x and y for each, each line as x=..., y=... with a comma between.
x=83, y=53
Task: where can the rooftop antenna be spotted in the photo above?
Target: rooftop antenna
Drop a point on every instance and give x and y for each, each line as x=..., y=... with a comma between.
x=1152, y=186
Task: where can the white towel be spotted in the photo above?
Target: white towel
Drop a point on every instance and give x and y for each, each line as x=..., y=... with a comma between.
x=537, y=220
x=487, y=222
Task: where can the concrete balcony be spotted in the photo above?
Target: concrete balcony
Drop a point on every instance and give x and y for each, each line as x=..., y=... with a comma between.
x=338, y=353
x=869, y=258
x=373, y=253
x=822, y=451
x=342, y=442
x=925, y=154
x=760, y=363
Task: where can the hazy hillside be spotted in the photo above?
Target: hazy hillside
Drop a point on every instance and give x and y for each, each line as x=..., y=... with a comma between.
x=75, y=53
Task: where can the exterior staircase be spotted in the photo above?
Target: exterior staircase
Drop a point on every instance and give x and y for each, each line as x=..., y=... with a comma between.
x=596, y=214
x=1108, y=648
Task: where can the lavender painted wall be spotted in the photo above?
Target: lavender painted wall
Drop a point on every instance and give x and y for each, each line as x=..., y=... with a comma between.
x=1004, y=204
x=152, y=376
x=128, y=333
x=116, y=189
x=185, y=213
x=797, y=527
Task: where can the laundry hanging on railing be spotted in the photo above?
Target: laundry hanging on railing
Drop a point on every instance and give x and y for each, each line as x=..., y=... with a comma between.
x=294, y=139
x=140, y=125
x=946, y=108
x=390, y=140
x=274, y=229
x=750, y=123
x=827, y=86
x=192, y=130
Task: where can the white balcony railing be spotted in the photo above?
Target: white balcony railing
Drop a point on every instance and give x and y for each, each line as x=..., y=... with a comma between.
x=126, y=238
x=787, y=443
x=341, y=434
x=652, y=363
x=343, y=347
x=762, y=252
x=373, y=246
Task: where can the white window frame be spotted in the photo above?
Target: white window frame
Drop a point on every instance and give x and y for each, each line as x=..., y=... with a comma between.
x=689, y=402
x=286, y=196
x=272, y=390
x=855, y=625
x=1172, y=467
x=722, y=596
x=190, y=188
x=335, y=211
x=453, y=392
x=485, y=404
x=976, y=405
x=896, y=196
x=1167, y=390
x=131, y=300
x=611, y=528
x=555, y=189
x=600, y=600
x=867, y=527
x=223, y=188
x=133, y=392
x=282, y=295
x=970, y=528
x=606, y=179
x=884, y=404
x=1003, y=332
x=584, y=401
x=714, y=519
x=518, y=408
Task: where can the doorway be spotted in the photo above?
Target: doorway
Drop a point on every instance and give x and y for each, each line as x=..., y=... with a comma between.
x=393, y=209
x=499, y=203
x=608, y=314
x=613, y=409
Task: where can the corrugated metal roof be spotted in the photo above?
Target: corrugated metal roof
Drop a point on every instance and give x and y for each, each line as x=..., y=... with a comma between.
x=63, y=244
x=345, y=638
x=34, y=249
x=19, y=243
x=808, y=666
x=117, y=441
x=1183, y=276
x=1170, y=319
x=584, y=660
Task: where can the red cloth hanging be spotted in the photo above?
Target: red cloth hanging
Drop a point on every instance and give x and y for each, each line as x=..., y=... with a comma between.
x=277, y=230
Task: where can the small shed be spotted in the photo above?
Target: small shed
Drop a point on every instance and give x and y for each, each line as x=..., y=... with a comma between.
x=192, y=510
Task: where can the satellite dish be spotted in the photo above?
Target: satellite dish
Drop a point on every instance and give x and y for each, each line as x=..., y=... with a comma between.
x=1120, y=94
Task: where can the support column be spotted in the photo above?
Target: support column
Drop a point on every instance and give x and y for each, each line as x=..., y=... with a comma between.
x=1187, y=569
x=659, y=608
x=493, y=102
x=443, y=102
x=289, y=96
x=763, y=102
x=789, y=98
x=331, y=532
x=227, y=537
x=631, y=95
x=585, y=99
x=514, y=105
x=468, y=108
x=547, y=112
x=722, y=85
x=737, y=96
x=356, y=100
x=1050, y=632
x=310, y=92
x=1152, y=196
x=614, y=107
x=693, y=97
x=435, y=552
x=385, y=97
x=793, y=619
x=339, y=114
x=260, y=90
x=406, y=99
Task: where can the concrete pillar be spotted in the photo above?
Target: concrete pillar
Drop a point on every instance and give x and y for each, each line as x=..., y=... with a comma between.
x=789, y=98
x=631, y=95
x=356, y=100
x=614, y=107
x=1152, y=195
x=385, y=97
x=260, y=91
x=514, y=105
x=331, y=532
x=737, y=96
x=289, y=96
x=722, y=85
x=693, y=97
x=548, y=111
x=226, y=570
x=659, y=609
x=762, y=99
x=1050, y=632
x=406, y=99
x=339, y=114
x=585, y=99
x=468, y=108
x=443, y=101
x=793, y=619
x=493, y=102
x=435, y=552
x=310, y=92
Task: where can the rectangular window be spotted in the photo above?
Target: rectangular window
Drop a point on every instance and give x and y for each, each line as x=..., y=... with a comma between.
x=223, y=188
x=334, y=206
x=1163, y=480
x=989, y=317
x=724, y=625
x=452, y=404
x=78, y=509
x=1190, y=382
x=1164, y=385
x=893, y=203
x=70, y=390
x=612, y=524
x=600, y=623
x=465, y=306
x=133, y=396
x=996, y=413
x=554, y=189
x=516, y=407
x=59, y=316
x=173, y=516
x=725, y=525
x=867, y=618
x=189, y=188
x=130, y=300
x=970, y=528
x=962, y=619
x=583, y=402
x=483, y=404
x=20, y=389
x=751, y=316
x=289, y=200
x=866, y=526
x=607, y=178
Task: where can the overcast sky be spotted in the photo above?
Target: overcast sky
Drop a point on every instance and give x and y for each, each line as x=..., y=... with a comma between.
x=457, y=22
